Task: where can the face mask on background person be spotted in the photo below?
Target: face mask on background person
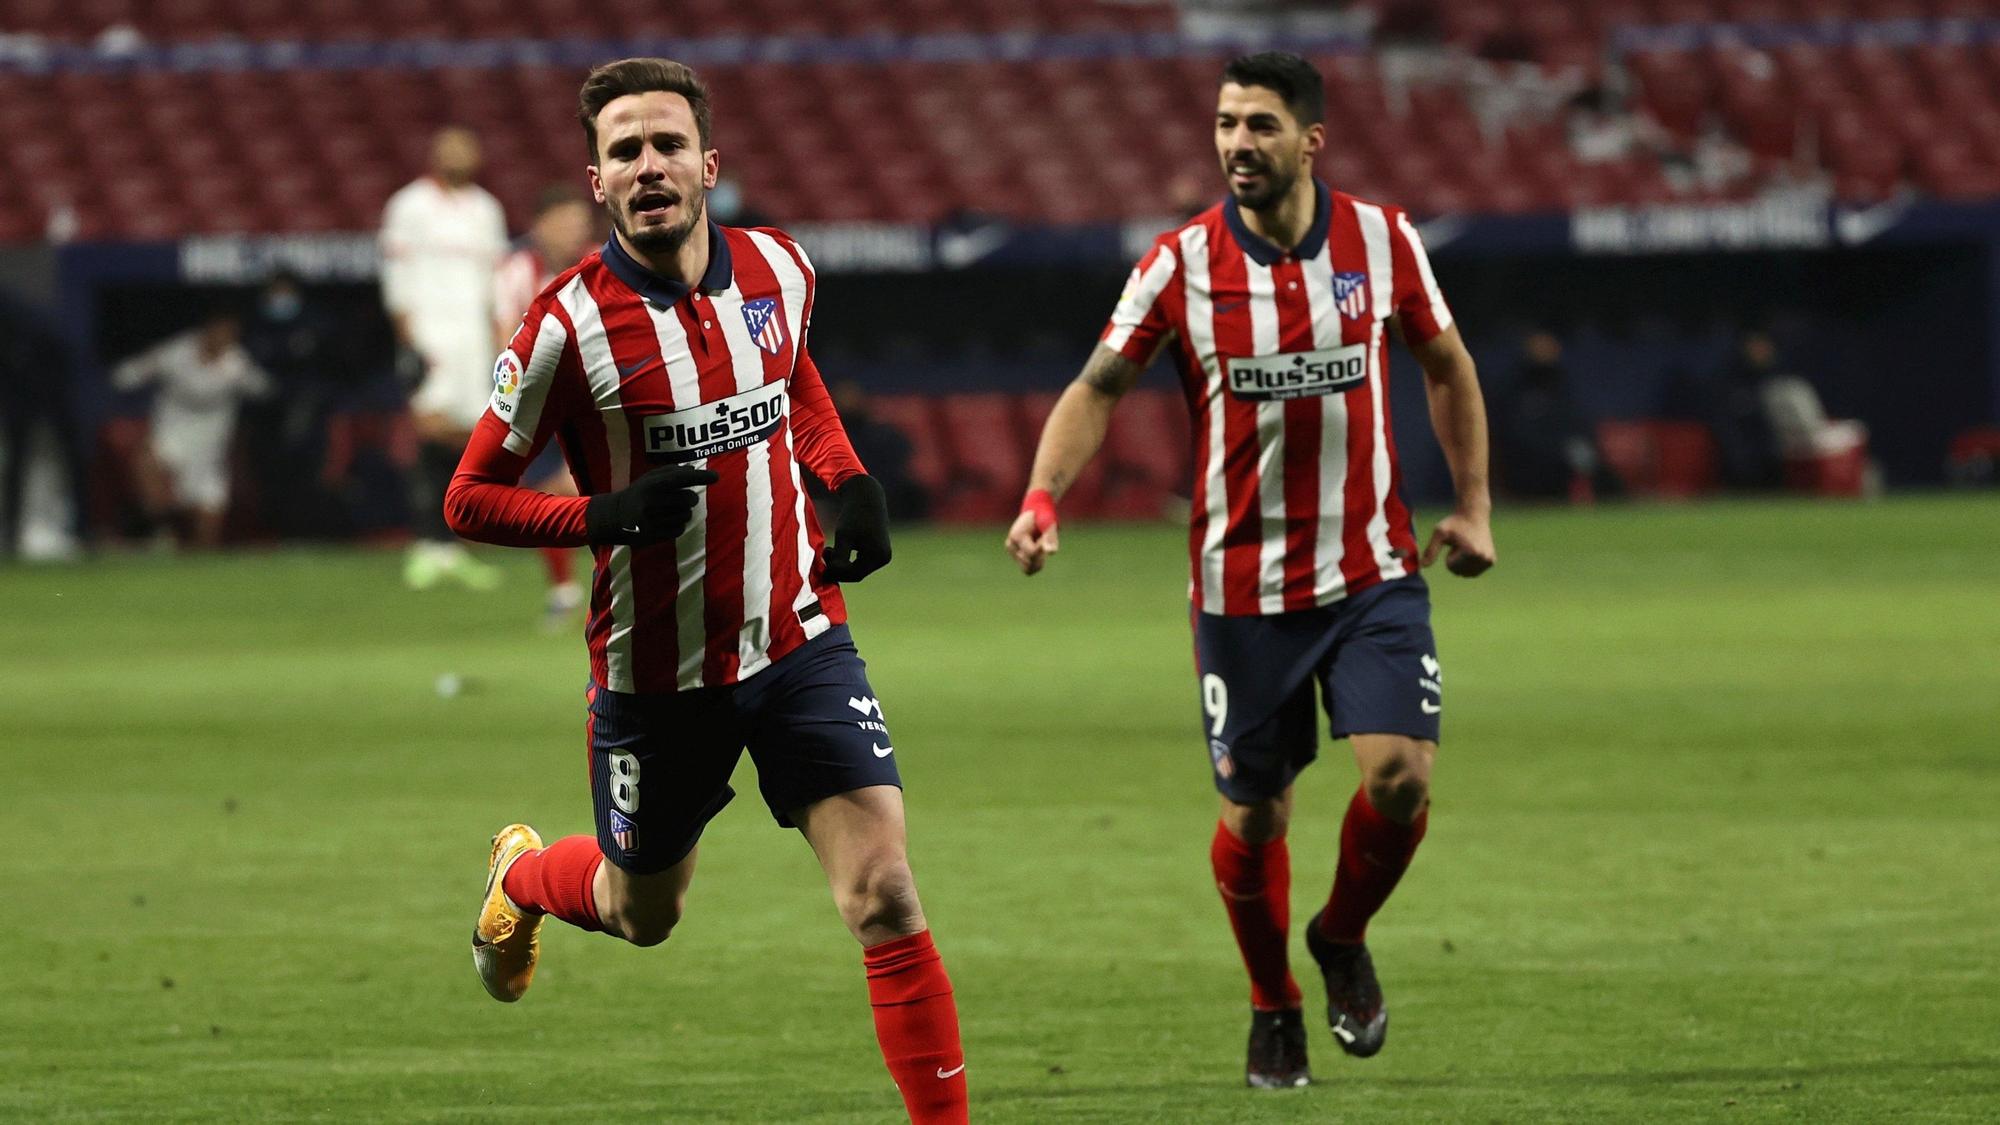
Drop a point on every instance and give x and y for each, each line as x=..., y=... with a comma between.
x=283, y=306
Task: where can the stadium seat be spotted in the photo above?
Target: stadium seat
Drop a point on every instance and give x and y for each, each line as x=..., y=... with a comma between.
x=1658, y=458
x=989, y=451
x=1056, y=139
x=1974, y=457
x=916, y=417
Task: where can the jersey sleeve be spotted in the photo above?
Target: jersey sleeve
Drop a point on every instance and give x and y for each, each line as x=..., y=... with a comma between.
x=1418, y=300
x=1141, y=322
x=531, y=398
x=818, y=438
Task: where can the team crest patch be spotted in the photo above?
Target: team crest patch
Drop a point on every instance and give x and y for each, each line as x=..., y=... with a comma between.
x=1350, y=294
x=767, y=328
x=1218, y=752
x=506, y=384
x=624, y=833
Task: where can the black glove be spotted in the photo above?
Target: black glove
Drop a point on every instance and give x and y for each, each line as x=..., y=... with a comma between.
x=860, y=544
x=653, y=509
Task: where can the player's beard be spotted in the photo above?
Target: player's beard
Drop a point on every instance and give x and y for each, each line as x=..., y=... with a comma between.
x=665, y=240
x=1278, y=183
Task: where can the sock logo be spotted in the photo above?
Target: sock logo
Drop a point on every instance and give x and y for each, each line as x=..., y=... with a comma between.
x=943, y=1073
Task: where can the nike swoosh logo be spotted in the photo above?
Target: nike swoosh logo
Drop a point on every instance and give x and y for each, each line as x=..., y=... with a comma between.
x=956, y=250
x=632, y=529
x=1856, y=227
x=1230, y=306
x=627, y=370
x=882, y=751
x=943, y=1073
x=1429, y=707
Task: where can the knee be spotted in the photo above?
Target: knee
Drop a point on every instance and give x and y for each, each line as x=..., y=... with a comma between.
x=880, y=901
x=1259, y=822
x=641, y=923
x=1399, y=784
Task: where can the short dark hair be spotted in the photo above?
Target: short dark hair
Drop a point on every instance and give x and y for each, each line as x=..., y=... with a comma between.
x=1292, y=78
x=614, y=80
x=557, y=195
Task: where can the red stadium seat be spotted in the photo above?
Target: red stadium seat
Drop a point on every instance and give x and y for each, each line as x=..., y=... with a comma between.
x=916, y=417
x=989, y=448
x=1655, y=458
x=1147, y=452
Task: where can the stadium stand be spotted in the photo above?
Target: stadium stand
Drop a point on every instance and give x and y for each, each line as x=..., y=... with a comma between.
x=1511, y=106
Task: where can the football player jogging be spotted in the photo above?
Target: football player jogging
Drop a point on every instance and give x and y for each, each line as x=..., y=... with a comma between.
x=671, y=366
x=560, y=234
x=1276, y=303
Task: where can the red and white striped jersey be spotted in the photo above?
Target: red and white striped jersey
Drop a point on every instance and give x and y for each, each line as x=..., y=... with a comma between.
x=1296, y=491
x=628, y=371
x=517, y=281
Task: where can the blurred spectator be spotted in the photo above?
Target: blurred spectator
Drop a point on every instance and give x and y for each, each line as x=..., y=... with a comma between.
x=1743, y=432
x=1547, y=449
x=35, y=374
x=442, y=236
x=302, y=347
x=1773, y=428
x=883, y=449
x=201, y=374
x=1601, y=130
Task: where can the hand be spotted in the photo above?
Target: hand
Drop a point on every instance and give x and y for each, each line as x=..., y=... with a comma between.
x=1032, y=539
x=1470, y=538
x=655, y=508
x=860, y=544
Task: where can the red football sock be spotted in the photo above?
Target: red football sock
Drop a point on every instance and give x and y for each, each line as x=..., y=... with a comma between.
x=558, y=881
x=1256, y=885
x=560, y=563
x=916, y=1023
x=1374, y=853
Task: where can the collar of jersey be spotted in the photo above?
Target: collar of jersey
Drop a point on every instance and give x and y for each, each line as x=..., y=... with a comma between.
x=664, y=291
x=1264, y=253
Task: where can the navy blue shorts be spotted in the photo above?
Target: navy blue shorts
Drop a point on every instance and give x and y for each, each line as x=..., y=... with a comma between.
x=1371, y=655
x=660, y=764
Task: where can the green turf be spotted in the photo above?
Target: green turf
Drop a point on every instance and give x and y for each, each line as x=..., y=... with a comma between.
x=1715, y=839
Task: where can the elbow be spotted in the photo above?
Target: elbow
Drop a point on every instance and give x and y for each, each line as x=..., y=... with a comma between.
x=458, y=509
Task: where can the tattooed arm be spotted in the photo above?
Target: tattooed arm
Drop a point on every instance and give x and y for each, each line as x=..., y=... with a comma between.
x=1070, y=439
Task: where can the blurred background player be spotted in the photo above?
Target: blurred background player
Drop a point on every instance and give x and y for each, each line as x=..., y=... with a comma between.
x=442, y=236
x=563, y=231
x=672, y=366
x=1279, y=299
x=37, y=413
x=202, y=375
x=306, y=350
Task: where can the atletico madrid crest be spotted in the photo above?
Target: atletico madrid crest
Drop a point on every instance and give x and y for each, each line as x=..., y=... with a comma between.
x=767, y=328
x=1350, y=293
x=624, y=833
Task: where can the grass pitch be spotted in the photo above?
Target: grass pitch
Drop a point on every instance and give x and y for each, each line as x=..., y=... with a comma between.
x=1714, y=840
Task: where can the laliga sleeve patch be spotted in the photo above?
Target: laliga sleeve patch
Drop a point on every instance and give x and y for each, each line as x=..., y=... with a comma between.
x=506, y=385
